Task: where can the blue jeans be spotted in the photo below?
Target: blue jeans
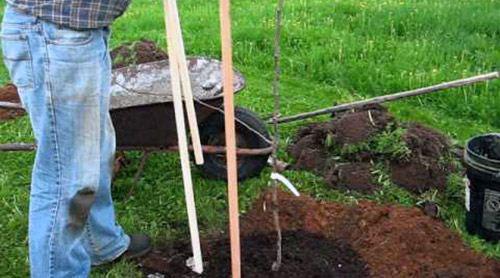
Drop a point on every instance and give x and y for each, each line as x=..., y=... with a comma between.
x=63, y=78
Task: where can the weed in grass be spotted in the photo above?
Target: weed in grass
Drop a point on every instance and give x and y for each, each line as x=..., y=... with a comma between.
x=390, y=193
x=388, y=144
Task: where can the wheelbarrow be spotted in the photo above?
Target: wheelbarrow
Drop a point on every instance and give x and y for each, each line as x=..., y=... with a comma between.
x=143, y=116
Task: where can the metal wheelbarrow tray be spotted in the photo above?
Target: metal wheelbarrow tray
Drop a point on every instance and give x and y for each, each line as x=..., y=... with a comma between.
x=143, y=115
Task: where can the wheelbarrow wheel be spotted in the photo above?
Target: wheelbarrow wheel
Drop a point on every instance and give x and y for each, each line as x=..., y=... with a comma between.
x=212, y=133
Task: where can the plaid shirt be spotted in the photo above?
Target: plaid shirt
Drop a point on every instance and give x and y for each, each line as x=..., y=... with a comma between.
x=75, y=14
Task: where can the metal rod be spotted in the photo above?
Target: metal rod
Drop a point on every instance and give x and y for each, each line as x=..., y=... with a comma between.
x=138, y=173
x=208, y=149
x=391, y=97
x=239, y=151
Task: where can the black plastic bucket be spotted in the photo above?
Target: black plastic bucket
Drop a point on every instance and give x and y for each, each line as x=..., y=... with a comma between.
x=482, y=200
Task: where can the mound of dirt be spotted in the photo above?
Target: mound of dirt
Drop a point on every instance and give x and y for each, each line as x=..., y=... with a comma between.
x=352, y=176
x=139, y=52
x=8, y=93
x=319, y=148
x=394, y=241
x=359, y=126
x=309, y=148
x=419, y=174
x=305, y=255
x=425, y=141
x=425, y=169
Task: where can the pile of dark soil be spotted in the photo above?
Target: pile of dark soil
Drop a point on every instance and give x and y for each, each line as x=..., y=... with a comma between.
x=323, y=239
x=304, y=255
x=318, y=148
x=143, y=51
x=426, y=168
x=309, y=150
x=353, y=176
x=424, y=141
x=8, y=93
x=359, y=125
x=419, y=174
x=393, y=241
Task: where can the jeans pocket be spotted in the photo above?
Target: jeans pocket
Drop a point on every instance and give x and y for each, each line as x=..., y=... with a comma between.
x=65, y=36
x=70, y=46
x=17, y=58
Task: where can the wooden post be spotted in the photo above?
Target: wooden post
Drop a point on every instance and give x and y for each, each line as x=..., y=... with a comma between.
x=182, y=138
x=232, y=170
x=187, y=91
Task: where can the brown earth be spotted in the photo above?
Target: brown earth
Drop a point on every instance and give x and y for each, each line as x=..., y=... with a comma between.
x=419, y=174
x=8, y=93
x=367, y=239
x=360, y=125
x=394, y=241
x=305, y=255
x=309, y=146
x=430, y=209
x=309, y=149
x=424, y=169
x=143, y=51
x=352, y=176
x=425, y=141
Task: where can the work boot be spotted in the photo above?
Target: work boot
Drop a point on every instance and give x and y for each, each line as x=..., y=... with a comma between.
x=139, y=246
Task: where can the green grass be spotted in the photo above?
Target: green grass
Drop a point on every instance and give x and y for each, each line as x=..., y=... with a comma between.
x=333, y=52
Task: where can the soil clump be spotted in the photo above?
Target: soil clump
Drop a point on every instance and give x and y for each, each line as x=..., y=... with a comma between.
x=352, y=176
x=345, y=150
x=8, y=93
x=143, y=51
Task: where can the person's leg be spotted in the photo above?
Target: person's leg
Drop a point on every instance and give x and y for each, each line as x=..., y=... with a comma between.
x=59, y=75
x=105, y=240
x=80, y=74
x=25, y=55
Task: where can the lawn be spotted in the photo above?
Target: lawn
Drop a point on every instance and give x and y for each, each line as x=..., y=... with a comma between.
x=333, y=52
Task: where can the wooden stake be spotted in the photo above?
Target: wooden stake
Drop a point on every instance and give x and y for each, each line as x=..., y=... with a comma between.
x=183, y=146
x=187, y=91
x=232, y=170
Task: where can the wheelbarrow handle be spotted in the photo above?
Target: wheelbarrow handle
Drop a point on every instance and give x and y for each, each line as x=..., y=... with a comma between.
x=17, y=147
x=10, y=105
